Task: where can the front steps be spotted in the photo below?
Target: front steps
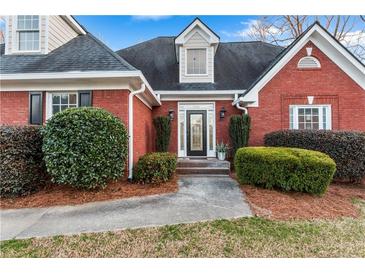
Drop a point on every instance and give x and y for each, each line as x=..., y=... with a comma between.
x=206, y=167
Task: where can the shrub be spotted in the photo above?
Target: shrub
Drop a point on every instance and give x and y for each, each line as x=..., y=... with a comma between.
x=287, y=168
x=346, y=148
x=85, y=147
x=155, y=167
x=163, y=132
x=22, y=169
x=239, y=128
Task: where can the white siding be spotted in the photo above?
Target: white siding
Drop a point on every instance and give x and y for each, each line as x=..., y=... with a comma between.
x=196, y=41
x=59, y=32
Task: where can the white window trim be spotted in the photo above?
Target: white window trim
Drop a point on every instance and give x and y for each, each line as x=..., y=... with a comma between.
x=184, y=106
x=320, y=115
x=15, y=41
x=49, y=101
x=186, y=62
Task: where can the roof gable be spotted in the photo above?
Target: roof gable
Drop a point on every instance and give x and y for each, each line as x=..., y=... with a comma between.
x=197, y=25
x=325, y=42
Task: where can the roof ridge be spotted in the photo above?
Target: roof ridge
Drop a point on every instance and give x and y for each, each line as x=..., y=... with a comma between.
x=111, y=52
x=256, y=41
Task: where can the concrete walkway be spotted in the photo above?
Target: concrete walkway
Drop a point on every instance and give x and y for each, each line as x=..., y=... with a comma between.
x=198, y=199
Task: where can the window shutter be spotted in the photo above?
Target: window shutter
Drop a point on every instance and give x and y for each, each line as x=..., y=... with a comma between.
x=35, y=108
x=85, y=98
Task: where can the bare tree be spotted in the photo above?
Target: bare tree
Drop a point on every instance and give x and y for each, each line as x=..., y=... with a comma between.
x=281, y=30
x=2, y=29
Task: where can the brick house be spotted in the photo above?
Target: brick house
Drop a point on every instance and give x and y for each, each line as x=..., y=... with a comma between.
x=50, y=63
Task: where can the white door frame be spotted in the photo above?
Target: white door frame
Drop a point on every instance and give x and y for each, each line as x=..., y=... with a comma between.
x=182, y=108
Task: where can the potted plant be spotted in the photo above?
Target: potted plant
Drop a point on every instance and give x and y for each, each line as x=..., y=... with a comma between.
x=222, y=149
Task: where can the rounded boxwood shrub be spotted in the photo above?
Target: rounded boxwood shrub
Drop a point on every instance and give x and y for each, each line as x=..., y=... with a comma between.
x=346, y=148
x=155, y=167
x=22, y=168
x=85, y=147
x=286, y=168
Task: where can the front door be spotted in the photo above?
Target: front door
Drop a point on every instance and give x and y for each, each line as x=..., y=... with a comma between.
x=196, y=133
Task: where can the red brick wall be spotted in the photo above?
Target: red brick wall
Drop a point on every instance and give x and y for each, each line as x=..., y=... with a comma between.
x=328, y=85
x=142, y=129
x=114, y=101
x=14, y=108
x=221, y=124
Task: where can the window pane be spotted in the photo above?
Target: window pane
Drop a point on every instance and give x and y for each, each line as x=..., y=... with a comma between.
x=55, y=109
x=324, y=116
x=182, y=130
x=210, y=125
x=55, y=99
x=64, y=99
x=64, y=107
x=301, y=111
x=196, y=61
x=28, y=40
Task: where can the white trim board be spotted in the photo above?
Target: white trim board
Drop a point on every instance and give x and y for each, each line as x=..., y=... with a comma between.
x=328, y=45
x=81, y=75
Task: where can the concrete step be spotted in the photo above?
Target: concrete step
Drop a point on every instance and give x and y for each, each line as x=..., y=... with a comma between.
x=207, y=167
x=203, y=170
x=213, y=163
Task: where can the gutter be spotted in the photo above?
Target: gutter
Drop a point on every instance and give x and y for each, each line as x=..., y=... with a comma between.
x=237, y=102
x=130, y=128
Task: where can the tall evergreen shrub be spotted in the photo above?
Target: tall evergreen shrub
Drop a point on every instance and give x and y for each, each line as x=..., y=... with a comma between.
x=239, y=129
x=163, y=131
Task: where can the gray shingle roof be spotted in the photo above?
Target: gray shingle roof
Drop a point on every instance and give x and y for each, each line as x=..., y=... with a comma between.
x=236, y=64
x=83, y=53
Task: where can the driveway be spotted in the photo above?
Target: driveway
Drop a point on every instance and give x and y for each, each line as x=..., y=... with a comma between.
x=198, y=199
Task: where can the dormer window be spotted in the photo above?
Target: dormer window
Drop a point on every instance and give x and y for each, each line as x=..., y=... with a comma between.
x=27, y=32
x=196, y=61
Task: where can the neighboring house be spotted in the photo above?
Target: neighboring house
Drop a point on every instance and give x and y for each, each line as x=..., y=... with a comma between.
x=50, y=63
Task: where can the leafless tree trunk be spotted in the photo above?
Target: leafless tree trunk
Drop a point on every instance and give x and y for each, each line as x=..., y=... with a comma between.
x=282, y=30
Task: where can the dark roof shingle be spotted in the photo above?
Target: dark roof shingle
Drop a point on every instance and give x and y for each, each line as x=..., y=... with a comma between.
x=236, y=64
x=83, y=53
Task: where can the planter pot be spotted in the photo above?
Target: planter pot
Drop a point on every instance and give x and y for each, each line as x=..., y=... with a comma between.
x=221, y=156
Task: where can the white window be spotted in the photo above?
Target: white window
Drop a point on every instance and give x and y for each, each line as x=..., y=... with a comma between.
x=59, y=101
x=28, y=32
x=196, y=62
x=310, y=117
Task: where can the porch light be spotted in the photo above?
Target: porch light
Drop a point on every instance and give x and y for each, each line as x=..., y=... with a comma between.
x=222, y=113
x=171, y=114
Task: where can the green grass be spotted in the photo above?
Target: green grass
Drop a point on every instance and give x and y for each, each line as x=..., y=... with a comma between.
x=244, y=237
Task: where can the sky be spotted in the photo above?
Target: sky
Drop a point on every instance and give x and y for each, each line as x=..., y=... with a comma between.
x=123, y=31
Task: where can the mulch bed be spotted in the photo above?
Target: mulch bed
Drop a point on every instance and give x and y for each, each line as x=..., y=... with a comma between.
x=55, y=195
x=279, y=205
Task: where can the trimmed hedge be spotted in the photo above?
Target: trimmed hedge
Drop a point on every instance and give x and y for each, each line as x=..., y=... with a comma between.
x=286, y=168
x=85, y=147
x=155, y=167
x=22, y=170
x=346, y=148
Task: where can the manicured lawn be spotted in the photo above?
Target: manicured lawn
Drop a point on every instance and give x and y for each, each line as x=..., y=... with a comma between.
x=245, y=237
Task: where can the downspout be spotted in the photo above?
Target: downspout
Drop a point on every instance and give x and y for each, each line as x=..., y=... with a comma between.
x=130, y=129
x=244, y=109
